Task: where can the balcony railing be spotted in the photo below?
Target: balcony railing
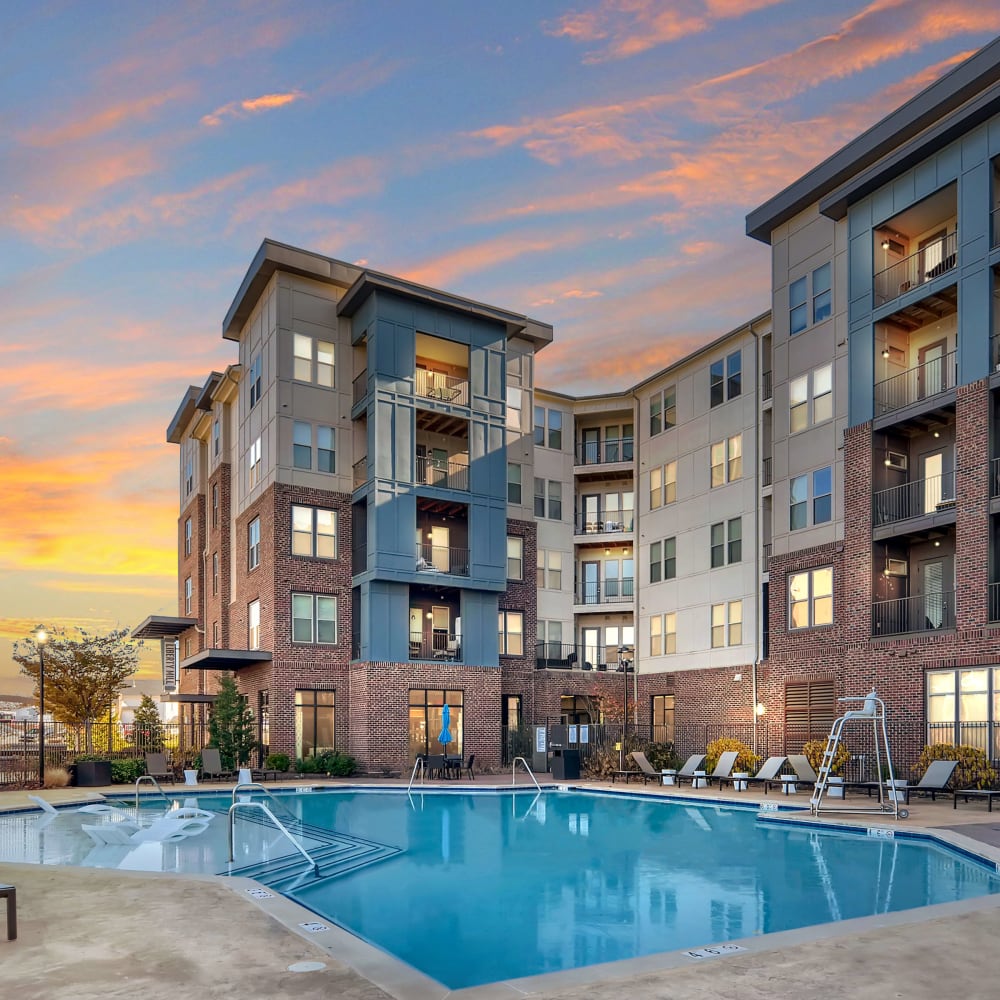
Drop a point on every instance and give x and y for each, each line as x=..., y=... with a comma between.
x=437, y=646
x=361, y=472
x=600, y=452
x=445, y=388
x=612, y=591
x=915, y=384
x=922, y=496
x=766, y=388
x=449, y=475
x=995, y=228
x=994, y=478
x=765, y=471
x=766, y=552
x=993, y=595
x=359, y=387
x=579, y=656
x=922, y=613
x=927, y=263
x=433, y=559
x=607, y=523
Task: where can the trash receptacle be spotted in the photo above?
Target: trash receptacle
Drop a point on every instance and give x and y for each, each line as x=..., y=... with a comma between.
x=565, y=764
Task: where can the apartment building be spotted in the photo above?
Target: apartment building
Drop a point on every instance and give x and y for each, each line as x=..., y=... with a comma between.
x=885, y=297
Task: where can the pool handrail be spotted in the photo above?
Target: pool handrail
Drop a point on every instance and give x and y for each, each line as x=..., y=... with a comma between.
x=250, y=804
x=513, y=768
x=419, y=763
x=148, y=777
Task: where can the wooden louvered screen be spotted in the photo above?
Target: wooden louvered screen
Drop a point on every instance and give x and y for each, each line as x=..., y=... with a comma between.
x=810, y=708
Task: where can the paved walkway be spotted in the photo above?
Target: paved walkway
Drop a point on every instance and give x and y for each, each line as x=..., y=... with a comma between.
x=87, y=933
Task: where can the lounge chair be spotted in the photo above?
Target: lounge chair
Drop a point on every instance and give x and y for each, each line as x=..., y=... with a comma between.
x=724, y=767
x=157, y=766
x=178, y=824
x=934, y=780
x=692, y=764
x=211, y=765
x=93, y=808
x=646, y=771
x=799, y=763
x=767, y=775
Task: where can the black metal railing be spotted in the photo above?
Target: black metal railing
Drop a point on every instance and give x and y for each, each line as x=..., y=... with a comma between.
x=765, y=471
x=766, y=386
x=993, y=597
x=927, y=263
x=603, y=522
x=922, y=496
x=610, y=591
x=983, y=736
x=921, y=613
x=359, y=387
x=915, y=384
x=995, y=228
x=766, y=551
x=442, y=559
x=435, y=646
x=450, y=474
x=361, y=472
x=444, y=388
x=578, y=656
x=994, y=478
x=601, y=452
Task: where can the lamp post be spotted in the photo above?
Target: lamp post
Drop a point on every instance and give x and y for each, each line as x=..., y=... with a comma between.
x=624, y=662
x=41, y=637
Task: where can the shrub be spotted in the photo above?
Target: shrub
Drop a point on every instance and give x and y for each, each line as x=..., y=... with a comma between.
x=127, y=770
x=974, y=769
x=662, y=756
x=337, y=764
x=306, y=765
x=602, y=763
x=815, y=749
x=746, y=760
x=56, y=777
x=277, y=762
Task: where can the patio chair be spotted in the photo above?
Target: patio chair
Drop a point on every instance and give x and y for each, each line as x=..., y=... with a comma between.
x=799, y=763
x=211, y=765
x=157, y=766
x=434, y=764
x=646, y=770
x=468, y=767
x=934, y=780
x=766, y=776
x=724, y=768
x=692, y=764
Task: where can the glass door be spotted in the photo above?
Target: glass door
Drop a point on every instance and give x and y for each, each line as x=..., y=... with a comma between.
x=591, y=648
x=591, y=515
x=591, y=583
x=591, y=446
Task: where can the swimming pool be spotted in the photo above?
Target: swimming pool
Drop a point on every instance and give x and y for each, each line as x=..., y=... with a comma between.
x=472, y=888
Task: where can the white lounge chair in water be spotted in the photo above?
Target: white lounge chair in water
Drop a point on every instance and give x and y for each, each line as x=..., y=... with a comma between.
x=93, y=808
x=178, y=824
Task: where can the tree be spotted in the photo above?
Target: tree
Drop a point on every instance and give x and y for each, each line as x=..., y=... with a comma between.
x=231, y=726
x=147, y=726
x=83, y=676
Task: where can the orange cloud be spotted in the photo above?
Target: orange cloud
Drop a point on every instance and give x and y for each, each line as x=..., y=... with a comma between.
x=252, y=105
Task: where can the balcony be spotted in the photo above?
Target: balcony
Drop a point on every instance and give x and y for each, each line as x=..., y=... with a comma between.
x=446, y=473
x=915, y=384
x=994, y=602
x=929, y=262
x=920, y=498
x=614, y=591
x=360, y=472
x=578, y=656
x=441, y=387
x=922, y=613
x=766, y=474
x=604, y=452
x=359, y=387
x=995, y=228
x=433, y=559
x=610, y=522
x=994, y=478
x=766, y=387
x=766, y=553
x=436, y=646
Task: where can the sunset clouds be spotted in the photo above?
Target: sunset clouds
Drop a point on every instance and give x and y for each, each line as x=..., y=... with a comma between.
x=590, y=164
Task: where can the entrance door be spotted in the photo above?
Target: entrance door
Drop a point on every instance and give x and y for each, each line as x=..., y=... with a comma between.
x=591, y=446
x=592, y=652
x=441, y=548
x=932, y=373
x=591, y=583
x=932, y=586
x=416, y=633
x=933, y=469
x=591, y=514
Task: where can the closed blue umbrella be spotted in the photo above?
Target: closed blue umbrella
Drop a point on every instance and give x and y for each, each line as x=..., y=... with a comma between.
x=445, y=737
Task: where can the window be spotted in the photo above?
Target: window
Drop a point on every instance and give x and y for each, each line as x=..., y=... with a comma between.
x=302, y=445
x=549, y=570
x=514, y=405
x=325, y=450
x=822, y=294
x=187, y=595
x=655, y=562
x=822, y=498
x=315, y=718
x=727, y=624
x=662, y=485
x=555, y=429
x=555, y=500
x=253, y=543
x=304, y=351
x=254, y=381
x=539, y=568
x=540, y=426
x=670, y=482
x=515, y=557
x=314, y=619
x=662, y=718
x=187, y=537
x=216, y=437
x=426, y=710
x=726, y=542
x=798, y=311
x=810, y=598
x=663, y=634
x=539, y=497
x=727, y=460
x=725, y=378
x=670, y=632
x=511, y=633
x=254, y=464
x=799, y=396
x=513, y=483
x=215, y=574
x=189, y=467
x=963, y=707
x=215, y=635
x=810, y=708
x=215, y=505
x=314, y=532
x=253, y=625
x=822, y=299
x=663, y=560
x=662, y=410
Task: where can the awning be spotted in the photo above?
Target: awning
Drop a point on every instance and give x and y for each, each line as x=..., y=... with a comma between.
x=162, y=627
x=189, y=699
x=226, y=659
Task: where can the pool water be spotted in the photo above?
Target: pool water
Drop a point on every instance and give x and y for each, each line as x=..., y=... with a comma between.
x=476, y=888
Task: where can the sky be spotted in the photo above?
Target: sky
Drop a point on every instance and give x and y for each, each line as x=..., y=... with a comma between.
x=588, y=163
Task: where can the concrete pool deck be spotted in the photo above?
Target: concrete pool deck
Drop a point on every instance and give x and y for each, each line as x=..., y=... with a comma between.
x=89, y=933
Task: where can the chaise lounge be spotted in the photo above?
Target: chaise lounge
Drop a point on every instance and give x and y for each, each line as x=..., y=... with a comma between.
x=646, y=770
x=767, y=775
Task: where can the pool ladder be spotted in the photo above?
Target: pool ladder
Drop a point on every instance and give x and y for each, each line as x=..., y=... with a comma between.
x=144, y=778
x=513, y=769
x=248, y=804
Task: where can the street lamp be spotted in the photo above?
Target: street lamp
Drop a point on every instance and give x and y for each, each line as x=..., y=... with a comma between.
x=41, y=637
x=624, y=662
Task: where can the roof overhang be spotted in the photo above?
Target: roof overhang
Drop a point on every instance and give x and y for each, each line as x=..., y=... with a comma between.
x=189, y=404
x=162, y=627
x=226, y=659
x=189, y=699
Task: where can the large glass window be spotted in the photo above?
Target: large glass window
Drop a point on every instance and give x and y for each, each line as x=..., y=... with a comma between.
x=662, y=718
x=315, y=722
x=426, y=711
x=963, y=707
x=810, y=598
x=314, y=532
x=313, y=361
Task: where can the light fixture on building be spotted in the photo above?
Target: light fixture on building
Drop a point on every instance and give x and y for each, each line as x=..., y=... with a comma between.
x=937, y=434
x=759, y=708
x=885, y=353
x=885, y=244
x=937, y=543
x=737, y=678
x=607, y=551
x=430, y=615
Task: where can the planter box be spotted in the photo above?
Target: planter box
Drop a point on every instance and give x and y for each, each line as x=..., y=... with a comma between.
x=93, y=773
